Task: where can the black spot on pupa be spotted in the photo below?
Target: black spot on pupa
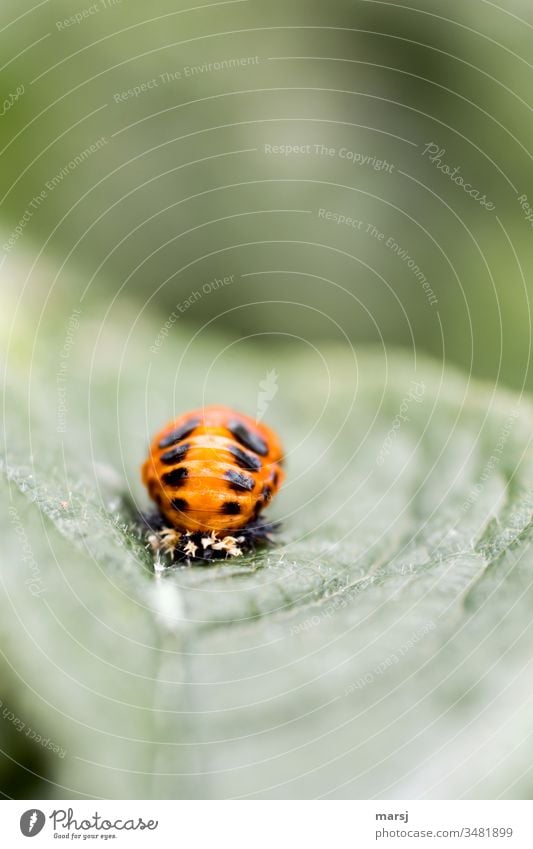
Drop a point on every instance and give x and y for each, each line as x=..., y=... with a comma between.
x=231, y=508
x=238, y=481
x=275, y=478
x=247, y=437
x=245, y=460
x=266, y=494
x=176, y=476
x=179, y=504
x=179, y=433
x=175, y=454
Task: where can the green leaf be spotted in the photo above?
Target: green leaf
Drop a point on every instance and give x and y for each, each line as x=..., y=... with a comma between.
x=380, y=649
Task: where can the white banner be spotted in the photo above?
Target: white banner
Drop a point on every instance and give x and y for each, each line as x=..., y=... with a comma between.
x=268, y=824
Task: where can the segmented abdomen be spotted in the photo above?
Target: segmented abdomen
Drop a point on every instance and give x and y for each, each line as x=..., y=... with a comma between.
x=213, y=469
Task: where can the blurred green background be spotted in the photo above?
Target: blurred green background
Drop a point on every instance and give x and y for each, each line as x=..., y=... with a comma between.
x=182, y=188
x=198, y=200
